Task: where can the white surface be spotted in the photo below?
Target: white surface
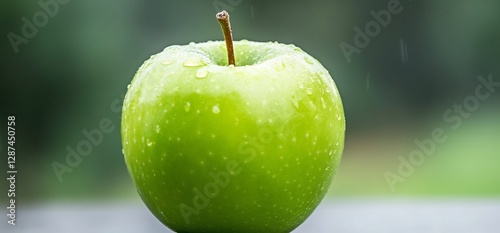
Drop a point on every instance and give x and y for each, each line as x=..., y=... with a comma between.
x=339, y=215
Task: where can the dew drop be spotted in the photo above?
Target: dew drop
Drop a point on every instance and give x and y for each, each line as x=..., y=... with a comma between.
x=309, y=91
x=128, y=86
x=193, y=62
x=279, y=65
x=191, y=43
x=308, y=60
x=166, y=62
x=323, y=103
x=157, y=129
x=216, y=109
x=187, y=106
x=300, y=85
x=295, y=104
x=201, y=73
x=149, y=143
x=311, y=77
x=123, y=151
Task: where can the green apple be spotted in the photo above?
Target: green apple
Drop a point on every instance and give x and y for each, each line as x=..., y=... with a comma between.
x=250, y=147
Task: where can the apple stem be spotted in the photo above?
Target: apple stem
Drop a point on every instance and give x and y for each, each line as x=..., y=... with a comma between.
x=223, y=18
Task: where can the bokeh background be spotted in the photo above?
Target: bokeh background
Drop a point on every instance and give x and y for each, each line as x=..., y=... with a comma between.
x=74, y=72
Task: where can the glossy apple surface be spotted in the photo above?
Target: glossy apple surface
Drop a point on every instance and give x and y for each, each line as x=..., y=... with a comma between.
x=245, y=148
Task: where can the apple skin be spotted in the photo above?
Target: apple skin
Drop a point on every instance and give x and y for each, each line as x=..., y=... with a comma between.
x=245, y=148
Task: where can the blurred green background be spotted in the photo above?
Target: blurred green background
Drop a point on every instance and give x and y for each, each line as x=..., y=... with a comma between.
x=74, y=71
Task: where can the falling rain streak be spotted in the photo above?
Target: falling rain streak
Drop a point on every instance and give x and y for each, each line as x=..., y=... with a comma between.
x=404, y=51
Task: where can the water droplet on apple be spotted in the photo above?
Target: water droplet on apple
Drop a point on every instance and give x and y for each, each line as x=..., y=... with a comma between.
x=300, y=85
x=149, y=143
x=312, y=104
x=123, y=151
x=187, y=107
x=166, y=62
x=323, y=103
x=128, y=86
x=308, y=60
x=201, y=73
x=295, y=104
x=279, y=65
x=216, y=109
x=157, y=128
x=311, y=77
x=193, y=62
x=309, y=91
x=191, y=43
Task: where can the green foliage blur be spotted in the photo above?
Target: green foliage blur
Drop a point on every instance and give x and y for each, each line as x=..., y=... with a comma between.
x=74, y=71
